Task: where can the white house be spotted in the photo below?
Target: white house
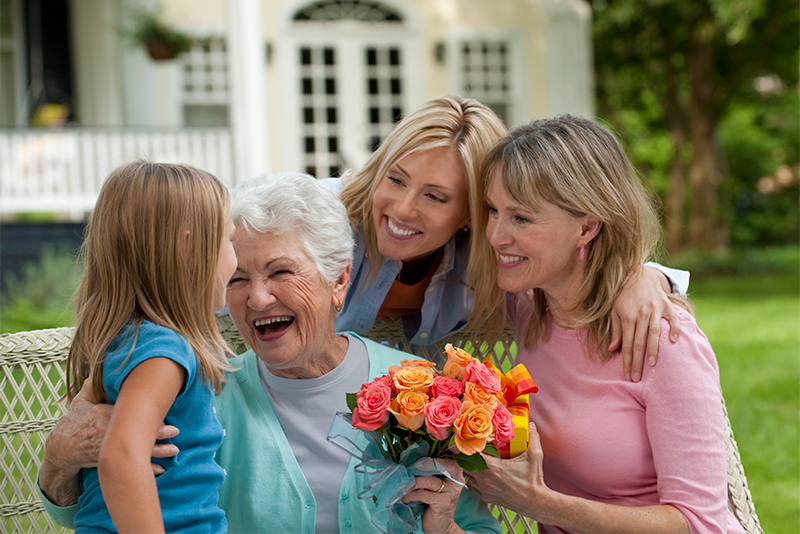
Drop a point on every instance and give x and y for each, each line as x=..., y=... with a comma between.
x=311, y=85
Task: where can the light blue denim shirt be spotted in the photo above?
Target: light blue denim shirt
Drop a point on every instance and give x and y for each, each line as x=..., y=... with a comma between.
x=447, y=299
x=444, y=310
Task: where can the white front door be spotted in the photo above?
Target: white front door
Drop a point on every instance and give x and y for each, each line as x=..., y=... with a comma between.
x=352, y=80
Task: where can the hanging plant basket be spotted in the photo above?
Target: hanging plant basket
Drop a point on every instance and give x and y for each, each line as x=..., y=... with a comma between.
x=161, y=50
x=161, y=41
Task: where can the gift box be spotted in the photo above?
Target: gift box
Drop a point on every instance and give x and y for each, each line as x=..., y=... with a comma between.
x=520, y=412
x=516, y=385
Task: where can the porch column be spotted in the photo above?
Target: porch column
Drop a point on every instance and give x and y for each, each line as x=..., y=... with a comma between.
x=248, y=90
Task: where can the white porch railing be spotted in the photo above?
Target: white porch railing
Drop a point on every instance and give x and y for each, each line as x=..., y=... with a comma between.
x=62, y=170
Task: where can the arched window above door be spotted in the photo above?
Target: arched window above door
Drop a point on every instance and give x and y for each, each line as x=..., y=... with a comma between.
x=354, y=10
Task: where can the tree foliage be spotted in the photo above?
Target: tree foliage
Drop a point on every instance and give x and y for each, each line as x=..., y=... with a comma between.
x=674, y=75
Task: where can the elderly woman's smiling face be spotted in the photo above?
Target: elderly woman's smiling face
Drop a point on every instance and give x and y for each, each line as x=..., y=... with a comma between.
x=282, y=306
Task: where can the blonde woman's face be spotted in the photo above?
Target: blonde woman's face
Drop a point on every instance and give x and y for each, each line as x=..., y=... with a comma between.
x=535, y=249
x=420, y=204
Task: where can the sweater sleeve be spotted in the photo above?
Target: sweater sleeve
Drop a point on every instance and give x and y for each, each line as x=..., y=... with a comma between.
x=473, y=515
x=685, y=426
x=61, y=515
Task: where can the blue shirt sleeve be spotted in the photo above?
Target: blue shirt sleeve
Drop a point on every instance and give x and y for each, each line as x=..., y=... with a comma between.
x=152, y=341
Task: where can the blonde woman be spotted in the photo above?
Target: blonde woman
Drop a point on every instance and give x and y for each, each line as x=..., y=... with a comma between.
x=569, y=223
x=412, y=207
x=158, y=256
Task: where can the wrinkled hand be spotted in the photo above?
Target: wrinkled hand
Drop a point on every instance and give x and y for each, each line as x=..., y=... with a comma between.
x=515, y=483
x=636, y=320
x=441, y=495
x=76, y=438
x=75, y=441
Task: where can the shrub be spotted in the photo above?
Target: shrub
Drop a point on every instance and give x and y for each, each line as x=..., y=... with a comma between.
x=42, y=296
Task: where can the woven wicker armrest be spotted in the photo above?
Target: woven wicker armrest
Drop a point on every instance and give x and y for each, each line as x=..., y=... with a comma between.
x=33, y=380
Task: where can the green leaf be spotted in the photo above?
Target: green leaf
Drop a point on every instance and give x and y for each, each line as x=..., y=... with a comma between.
x=351, y=401
x=491, y=450
x=473, y=463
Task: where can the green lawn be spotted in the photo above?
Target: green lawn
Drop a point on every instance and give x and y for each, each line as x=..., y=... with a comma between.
x=753, y=323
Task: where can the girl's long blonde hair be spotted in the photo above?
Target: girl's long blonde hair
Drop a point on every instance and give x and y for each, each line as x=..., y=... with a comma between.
x=151, y=251
x=463, y=124
x=579, y=166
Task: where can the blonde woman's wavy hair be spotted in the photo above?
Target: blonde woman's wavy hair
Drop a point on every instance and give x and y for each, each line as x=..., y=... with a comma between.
x=579, y=166
x=151, y=252
x=463, y=124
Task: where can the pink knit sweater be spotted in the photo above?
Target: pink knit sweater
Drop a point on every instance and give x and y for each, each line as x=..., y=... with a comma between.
x=658, y=441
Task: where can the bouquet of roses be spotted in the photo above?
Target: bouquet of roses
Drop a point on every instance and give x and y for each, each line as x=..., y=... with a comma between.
x=413, y=414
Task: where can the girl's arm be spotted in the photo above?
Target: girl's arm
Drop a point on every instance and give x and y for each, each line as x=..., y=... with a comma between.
x=126, y=479
x=518, y=484
x=636, y=320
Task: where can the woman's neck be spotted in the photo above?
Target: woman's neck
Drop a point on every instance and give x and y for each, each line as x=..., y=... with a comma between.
x=321, y=363
x=414, y=271
x=564, y=304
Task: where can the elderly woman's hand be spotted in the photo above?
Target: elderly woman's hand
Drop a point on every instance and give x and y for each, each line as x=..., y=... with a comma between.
x=516, y=484
x=441, y=495
x=75, y=443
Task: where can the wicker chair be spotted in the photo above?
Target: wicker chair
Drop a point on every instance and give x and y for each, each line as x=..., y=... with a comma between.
x=32, y=378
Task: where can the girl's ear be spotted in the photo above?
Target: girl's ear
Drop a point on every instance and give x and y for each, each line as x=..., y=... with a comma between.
x=589, y=230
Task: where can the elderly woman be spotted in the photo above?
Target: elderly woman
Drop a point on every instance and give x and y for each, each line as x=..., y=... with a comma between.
x=294, y=246
x=569, y=221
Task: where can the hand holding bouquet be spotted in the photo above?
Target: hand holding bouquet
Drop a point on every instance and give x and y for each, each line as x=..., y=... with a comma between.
x=416, y=413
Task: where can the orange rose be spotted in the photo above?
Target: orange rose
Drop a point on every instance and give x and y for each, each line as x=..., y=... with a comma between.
x=420, y=378
x=409, y=408
x=473, y=427
x=457, y=361
x=410, y=363
x=478, y=395
x=417, y=363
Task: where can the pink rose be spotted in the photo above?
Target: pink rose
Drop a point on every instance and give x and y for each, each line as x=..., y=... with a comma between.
x=483, y=376
x=503, y=423
x=447, y=386
x=439, y=416
x=385, y=380
x=372, y=411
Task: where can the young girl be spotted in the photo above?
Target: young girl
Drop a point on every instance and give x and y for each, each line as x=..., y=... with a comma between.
x=158, y=256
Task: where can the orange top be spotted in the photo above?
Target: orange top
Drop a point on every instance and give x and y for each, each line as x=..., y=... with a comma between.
x=405, y=299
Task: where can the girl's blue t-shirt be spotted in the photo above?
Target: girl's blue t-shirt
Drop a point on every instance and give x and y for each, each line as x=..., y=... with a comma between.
x=188, y=489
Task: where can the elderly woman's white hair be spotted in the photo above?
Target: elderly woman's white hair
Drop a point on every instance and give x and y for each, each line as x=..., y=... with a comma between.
x=293, y=202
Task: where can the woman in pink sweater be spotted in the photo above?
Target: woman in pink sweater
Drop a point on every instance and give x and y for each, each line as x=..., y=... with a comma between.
x=568, y=222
